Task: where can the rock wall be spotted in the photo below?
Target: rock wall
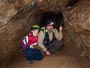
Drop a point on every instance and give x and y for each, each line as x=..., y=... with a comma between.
x=77, y=26
x=76, y=30
x=13, y=27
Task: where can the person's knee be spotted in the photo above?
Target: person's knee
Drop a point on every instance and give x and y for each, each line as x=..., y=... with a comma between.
x=41, y=57
x=61, y=43
x=28, y=52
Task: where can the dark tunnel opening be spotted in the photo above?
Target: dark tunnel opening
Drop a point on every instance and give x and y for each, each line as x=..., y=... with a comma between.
x=57, y=18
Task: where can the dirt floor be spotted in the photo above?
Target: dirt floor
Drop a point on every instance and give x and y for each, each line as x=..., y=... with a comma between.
x=65, y=58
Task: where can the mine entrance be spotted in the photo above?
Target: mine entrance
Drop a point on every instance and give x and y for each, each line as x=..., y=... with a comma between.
x=57, y=18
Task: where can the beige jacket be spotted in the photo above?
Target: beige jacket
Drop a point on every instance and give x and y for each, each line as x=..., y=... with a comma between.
x=58, y=36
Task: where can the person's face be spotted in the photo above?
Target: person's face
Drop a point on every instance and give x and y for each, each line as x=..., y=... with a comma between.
x=50, y=27
x=35, y=32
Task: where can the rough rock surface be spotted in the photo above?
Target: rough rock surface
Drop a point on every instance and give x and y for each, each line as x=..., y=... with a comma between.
x=78, y=25
x=76, y=30
x=11, y=32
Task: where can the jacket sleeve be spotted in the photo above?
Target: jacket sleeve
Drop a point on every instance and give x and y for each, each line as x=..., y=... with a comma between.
x=58, y=34
x=25, y=42
x=40, y=41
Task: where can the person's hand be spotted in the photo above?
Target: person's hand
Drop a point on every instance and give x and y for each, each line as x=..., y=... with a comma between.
x=31, y=46
x=60, y=28
x=47, y=53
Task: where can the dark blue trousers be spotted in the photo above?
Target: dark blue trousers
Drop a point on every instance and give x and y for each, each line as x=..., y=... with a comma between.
x=33, y=54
